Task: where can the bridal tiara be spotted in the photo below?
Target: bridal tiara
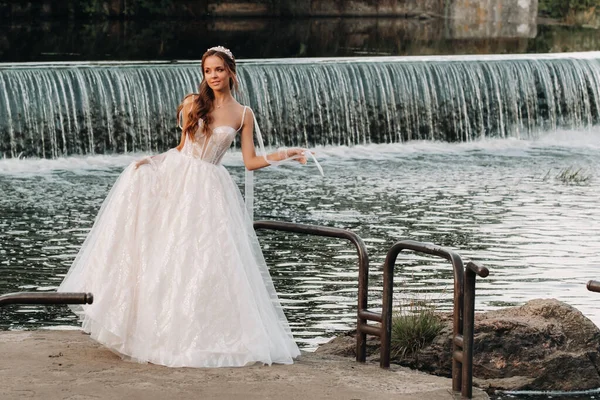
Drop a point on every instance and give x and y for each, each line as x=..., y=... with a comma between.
x=223, y=50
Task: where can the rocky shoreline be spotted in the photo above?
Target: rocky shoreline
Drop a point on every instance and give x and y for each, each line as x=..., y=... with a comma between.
x=544, y=345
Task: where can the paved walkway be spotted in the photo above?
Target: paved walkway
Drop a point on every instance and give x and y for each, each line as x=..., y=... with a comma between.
x=69, y=365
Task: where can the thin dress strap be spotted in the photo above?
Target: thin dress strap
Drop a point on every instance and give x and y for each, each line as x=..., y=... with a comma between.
x=243, y=116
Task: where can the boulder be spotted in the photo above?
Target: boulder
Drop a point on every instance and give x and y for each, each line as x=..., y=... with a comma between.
x=345, y=345
x=544, y=344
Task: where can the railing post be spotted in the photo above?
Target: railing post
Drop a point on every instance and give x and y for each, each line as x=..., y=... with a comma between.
x=363, y=291
x=469, y=320
x=457, y=320
x=386, y=318
x=471, y=271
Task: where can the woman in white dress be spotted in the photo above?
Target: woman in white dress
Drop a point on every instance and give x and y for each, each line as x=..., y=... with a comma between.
x=172, y=259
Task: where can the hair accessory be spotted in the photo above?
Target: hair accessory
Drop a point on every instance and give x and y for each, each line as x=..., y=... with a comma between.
x=223, y=50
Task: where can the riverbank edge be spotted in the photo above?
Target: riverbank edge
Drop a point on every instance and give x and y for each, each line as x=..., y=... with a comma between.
x=53, y=364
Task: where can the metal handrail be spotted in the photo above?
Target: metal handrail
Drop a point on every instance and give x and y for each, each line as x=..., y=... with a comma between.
x=463, y=310
x=46, y=298
x=463, y=307
x=593, y=286
x=363, y=271
x=472, y=270
x=388, y=286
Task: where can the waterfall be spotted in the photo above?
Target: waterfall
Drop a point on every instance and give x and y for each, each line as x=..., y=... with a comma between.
x=51, y=110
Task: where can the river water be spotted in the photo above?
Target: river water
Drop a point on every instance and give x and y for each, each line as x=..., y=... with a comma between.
x=186, y=39
x=497, y=201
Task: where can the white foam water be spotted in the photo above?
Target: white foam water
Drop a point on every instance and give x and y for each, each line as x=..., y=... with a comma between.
x=583, y=140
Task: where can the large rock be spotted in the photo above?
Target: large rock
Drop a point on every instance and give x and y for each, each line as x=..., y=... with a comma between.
x=345, y=345
x=542, y=345
x=549, y=342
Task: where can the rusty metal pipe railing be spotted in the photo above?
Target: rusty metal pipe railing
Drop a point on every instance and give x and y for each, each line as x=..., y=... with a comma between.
x=463, y=320
x=472, y=270
x=593, y=286
x=463, y=307
x=45, y=298
x=363, y=315
x=388, y=286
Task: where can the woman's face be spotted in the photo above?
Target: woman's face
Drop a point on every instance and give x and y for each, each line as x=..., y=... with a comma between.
x=216, y=73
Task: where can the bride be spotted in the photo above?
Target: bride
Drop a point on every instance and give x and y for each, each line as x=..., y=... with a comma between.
x=173, y=261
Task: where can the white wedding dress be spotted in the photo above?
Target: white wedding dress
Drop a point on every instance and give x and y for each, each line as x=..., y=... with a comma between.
x=176, y=269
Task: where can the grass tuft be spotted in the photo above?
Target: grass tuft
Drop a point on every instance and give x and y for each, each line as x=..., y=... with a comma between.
x=571, y=175
x=413, y=327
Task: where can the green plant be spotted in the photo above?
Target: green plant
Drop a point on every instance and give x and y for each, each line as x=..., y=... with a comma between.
x=547, y=176
x=561, y=8
x=570, y=175
x=147, y=7
x=414, y=326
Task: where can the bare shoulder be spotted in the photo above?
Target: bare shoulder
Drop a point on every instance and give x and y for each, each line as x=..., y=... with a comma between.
x=245, y=111
x=189, y=98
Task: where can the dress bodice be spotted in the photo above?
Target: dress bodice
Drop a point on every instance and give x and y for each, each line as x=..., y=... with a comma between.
x=210, y=148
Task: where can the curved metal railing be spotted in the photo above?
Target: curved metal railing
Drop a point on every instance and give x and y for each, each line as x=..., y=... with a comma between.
x=363, y=270
x=45, y=298
x=593, y=286
x=463, y=310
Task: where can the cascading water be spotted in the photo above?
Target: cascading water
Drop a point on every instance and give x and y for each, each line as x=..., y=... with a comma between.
x=63, y=109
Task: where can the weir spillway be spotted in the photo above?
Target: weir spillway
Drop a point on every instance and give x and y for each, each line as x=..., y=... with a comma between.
x=61, y=109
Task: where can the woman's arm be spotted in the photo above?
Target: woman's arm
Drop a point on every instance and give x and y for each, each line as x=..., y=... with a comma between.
x=182, y=140
x=181, y=121
x=251, y=160
x=183, y=118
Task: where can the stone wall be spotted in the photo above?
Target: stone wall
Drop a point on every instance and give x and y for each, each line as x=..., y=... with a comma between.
x=360, y=8
x=327, y=8
x=305, y=8
x=493, y=18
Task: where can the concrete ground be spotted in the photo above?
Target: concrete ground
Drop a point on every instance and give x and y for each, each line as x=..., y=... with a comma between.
x=69, y=365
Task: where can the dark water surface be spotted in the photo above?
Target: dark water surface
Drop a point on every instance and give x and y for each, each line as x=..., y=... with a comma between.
x=585, y=395
x=44, y=41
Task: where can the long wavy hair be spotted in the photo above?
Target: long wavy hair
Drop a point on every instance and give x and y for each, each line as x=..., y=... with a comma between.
x=202, y=102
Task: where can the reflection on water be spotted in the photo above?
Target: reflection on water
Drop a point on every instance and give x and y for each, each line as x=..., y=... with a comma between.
x=277, y=37
x=495, y=201
x=525, y=395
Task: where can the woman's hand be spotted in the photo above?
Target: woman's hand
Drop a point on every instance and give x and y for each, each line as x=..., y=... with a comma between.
x=297, y=154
